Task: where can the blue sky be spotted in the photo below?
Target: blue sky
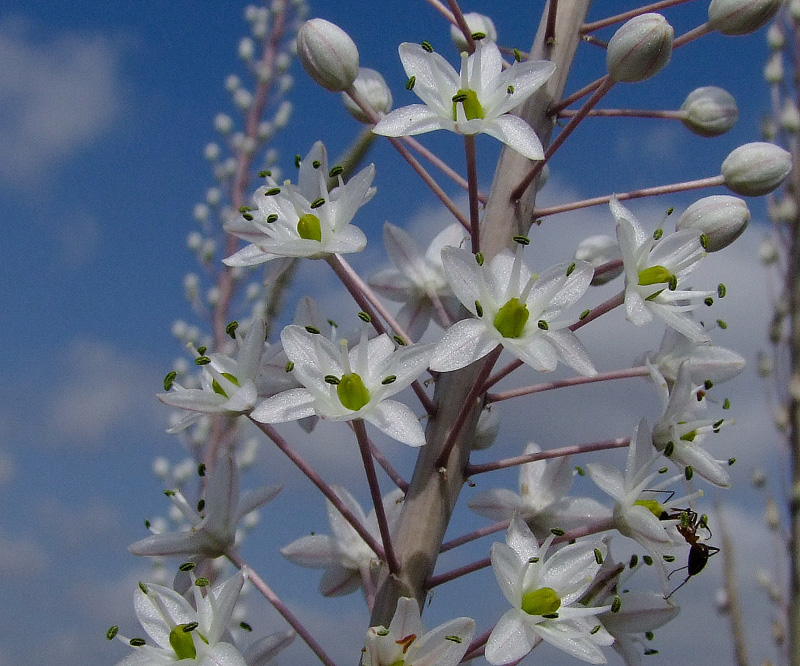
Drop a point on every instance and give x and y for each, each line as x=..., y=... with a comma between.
x=104, y=112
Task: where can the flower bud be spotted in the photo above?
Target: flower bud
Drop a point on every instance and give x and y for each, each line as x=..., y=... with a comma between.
x=487, y=429
x=640, y=48
x=794, y=9
x=372, y=88
x=768, y=251
x=756, y=168
x=599, y=250
x=711, y=111
x=327, y=54
x=783, y=209
x=722, y=218
x=773, y=70
x=476, y=23
x=775, y=37
x=790, y=117
x=740, y=17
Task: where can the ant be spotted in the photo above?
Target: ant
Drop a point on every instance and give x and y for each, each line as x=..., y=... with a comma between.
x=699, y=552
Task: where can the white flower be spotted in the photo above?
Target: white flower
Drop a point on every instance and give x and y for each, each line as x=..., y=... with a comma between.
x=303, y=220
x=418, y=280
x=228, y=385
x=653, y=271
x=341, y=385
x=543, y=593
x=406, y=641
x=513, y=308
x=641, y=612
x=681, y=429
x=344, y=555
x=542, y=502
x=214, y=532
x=184, y=634
x=476, y=101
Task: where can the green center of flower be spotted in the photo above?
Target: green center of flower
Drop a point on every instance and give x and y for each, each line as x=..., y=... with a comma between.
x=654, y=275
x=689, y=436
x=182, y=642
x=352, y=392
x=543, y=601
x=510, y=320
x=308, y=227
x=469, y=100
x=652, y=506
x=221, y=391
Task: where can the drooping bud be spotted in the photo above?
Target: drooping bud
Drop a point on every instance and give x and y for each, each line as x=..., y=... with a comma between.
x=372, y=88
x=722, y=218
x=599, y=250
x=640, y=48
x=740, y=17
x=711, y=111
x=476, y=23
x=756, y=168
x=327, y=54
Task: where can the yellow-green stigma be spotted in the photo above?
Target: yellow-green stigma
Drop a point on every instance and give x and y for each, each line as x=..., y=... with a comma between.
x=308, y=227
x=543, y=601
x=182, y=642
x=469, y=100
x=352, y=392
x=218, y=389
x=652, y=506
x=689, y=436
x=654, y=275
x=510, y=320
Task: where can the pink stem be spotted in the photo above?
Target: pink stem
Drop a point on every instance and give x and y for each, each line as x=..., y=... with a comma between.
x=640, y=371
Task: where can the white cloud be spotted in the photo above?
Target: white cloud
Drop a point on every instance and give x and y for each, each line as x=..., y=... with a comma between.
x=56, y=96
x=20, y=558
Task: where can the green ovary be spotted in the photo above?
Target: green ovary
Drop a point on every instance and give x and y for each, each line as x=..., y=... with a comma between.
x=308, y=227
x=218, y=389
x=689, y=436
x=510, y=320
x=352, y=392
x=654, y=275
x=543, y=601
x=652, y=506
x=182, y=642
x=472, y=107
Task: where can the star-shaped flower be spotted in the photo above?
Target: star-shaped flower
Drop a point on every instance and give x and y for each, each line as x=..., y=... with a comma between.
x=542, y=500
x=653, y=272
x=342, y=385
x=344, y=555
x=228, y=385
x=213, y=533
x=406, y=641
x=681, y=429
x=476, y=101
x=543, y=592
x=303, y=220
x=418, y=280
x=513, y=308
x=184, y=634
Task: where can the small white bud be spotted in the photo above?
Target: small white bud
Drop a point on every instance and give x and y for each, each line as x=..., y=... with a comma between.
x=212, y=296
x=768, y=251
x=599, y=250
x=232, y=82
x=775, y=37
x=327, y=54
x=161, y=467
x=265, y=130
x=213, y=196
x=194, y=240
x=773, y=70
x=247, y=48
x=223, y=123
x=640, y=48
x=285, y=83
x=711, y=111
x=487, y=429
x=208, y=249
x=783, y=209
x=211, y=151
x=372, y=88
x=190, y=284
x=184, y=470
x=740, y=17
x=200, y=212
x=765, y=365
x=283, y=114
x=756, y=168
x=179, y=329
x=243, y=98
x=769, y=129
x=476, y=23
x=722, y=218
x=794, y=9
x=790, y=117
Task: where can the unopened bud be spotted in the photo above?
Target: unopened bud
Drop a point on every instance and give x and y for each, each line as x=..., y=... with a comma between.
x=711, y=111
x=476, y=23
x=722, y=218
x=794, y=9
x=775, y=37
x=756, y=168
x=487, y=429
x=768, y=251
x=790, y=117
x=327, y=54
x=740, y=17
x=783, y=209
x=640, y=48
x=773, y=70
x=599, y=250
x=372, y=88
